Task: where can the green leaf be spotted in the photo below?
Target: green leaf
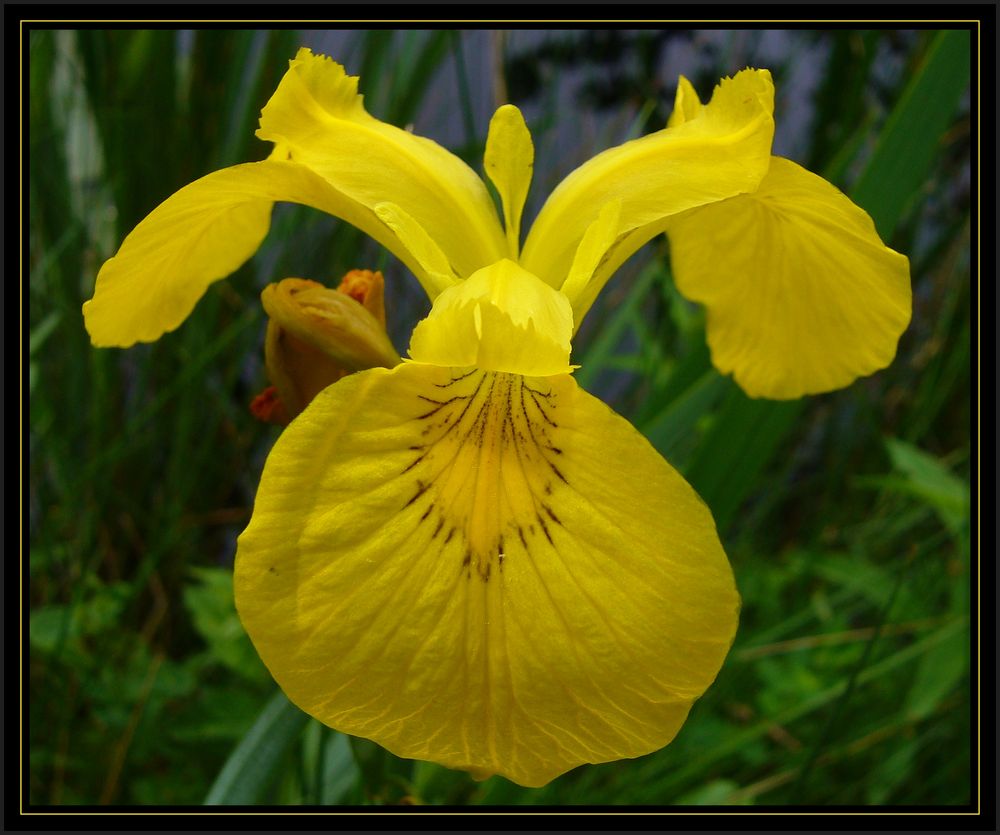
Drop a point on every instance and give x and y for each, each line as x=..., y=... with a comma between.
x=330, y=774
x=708, y=759
x=940, y=672
x=891, y=772
x=742, y=439
x=209, y=599
x=856, y=573
x=715, y=793
x=913, y=134
x=340, y=772
x=677, y=421
x=253, y=765
x=386, y=777
x=600, y=351
x=42, y=332
x=927, y=478
x=49, y=626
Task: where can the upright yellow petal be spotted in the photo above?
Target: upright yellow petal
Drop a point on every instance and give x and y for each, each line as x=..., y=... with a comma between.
x=509, y=159
x=485, y=570
x=203, y=233
x=802, y=296
x=687, y=105
x=722, y=151
x=317, y=113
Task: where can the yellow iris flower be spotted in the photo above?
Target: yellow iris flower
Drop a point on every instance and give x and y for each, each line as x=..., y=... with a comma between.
x=465, y=557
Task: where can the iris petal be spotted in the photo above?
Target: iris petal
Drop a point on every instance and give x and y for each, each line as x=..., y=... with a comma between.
x=722, y=152
x=584, y=281
x=436, y=270
x=485, y=570
x=508, y=160
x=687, y=105
x=802, y=296
x=317, y=113
x=501, y=318
x=203, y=233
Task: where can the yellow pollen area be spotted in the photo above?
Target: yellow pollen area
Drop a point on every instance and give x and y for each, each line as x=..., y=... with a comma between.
x=488, y=467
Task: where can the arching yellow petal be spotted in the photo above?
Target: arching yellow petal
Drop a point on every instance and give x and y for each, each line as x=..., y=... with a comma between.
x=488, y=571
x=201, y=234
x=802, y=296
x=509, y=159
x=317, y=114
x=721, y=152
x=437, y=274
x=502, y=318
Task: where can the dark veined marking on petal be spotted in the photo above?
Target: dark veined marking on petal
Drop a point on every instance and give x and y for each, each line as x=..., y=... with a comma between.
x=534, y=394
x=425, y=449
x=545, y=530
x=421, y=489
x=539, y=433
x=449, y=426
x=439, y=404
x=416, y=460
x=482, y=419
x=487, y=421
x=457, y=379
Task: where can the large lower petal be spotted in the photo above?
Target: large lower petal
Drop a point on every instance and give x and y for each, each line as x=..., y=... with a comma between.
x=318, y=115
x=203, y=233
x=723, y=150
x=484, y=570
x=802, y=296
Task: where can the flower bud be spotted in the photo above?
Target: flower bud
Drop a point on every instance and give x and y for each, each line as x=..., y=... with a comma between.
x=316, y=335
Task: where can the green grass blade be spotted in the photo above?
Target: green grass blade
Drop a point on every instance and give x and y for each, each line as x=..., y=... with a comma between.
x=741, y=441
x=253, y=765
x=735, y=742
x=600, y=351
x=912, y=135
x=929, y=479
x=670, y=428
x=340, y=772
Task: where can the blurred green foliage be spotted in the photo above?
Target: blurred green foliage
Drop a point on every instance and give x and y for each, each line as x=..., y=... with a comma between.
x=846, y=516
